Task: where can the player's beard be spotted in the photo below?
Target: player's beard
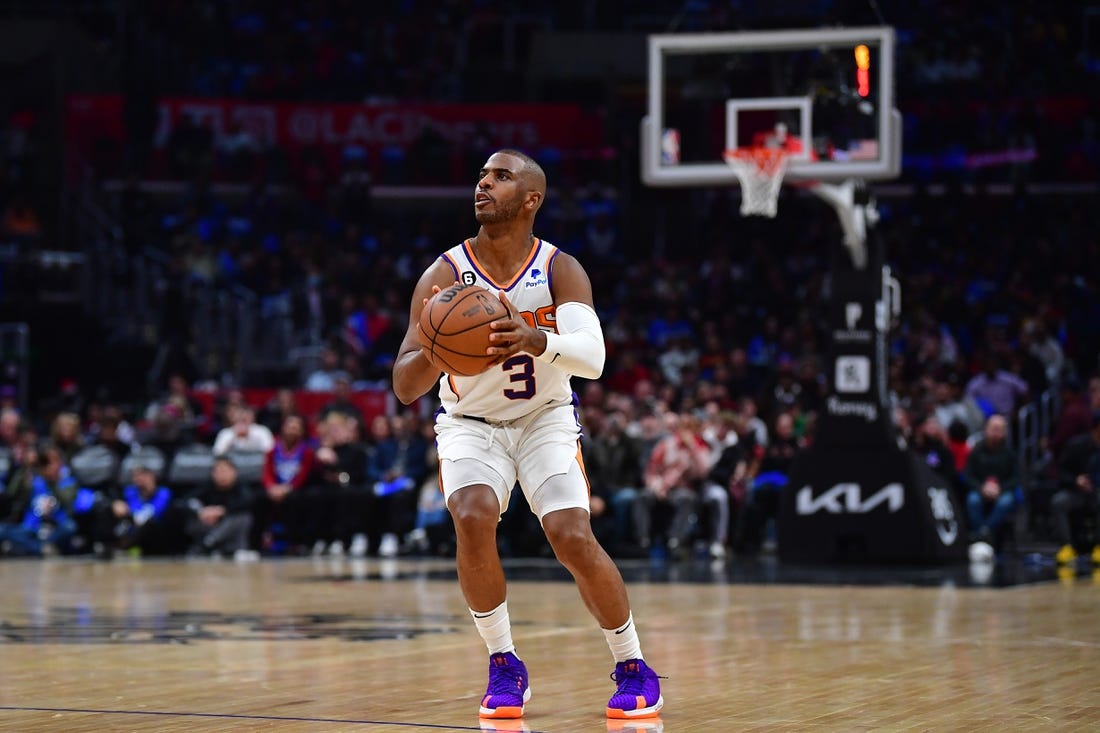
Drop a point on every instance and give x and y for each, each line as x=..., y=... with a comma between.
x=499, y=211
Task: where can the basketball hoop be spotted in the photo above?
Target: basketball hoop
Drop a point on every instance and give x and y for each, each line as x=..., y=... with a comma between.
x=760, y=171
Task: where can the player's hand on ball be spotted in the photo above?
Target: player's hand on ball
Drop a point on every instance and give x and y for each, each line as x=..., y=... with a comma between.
x=424, y=348
x=512, y=335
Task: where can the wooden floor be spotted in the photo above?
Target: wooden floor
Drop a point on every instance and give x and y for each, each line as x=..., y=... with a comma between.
x=373, y=645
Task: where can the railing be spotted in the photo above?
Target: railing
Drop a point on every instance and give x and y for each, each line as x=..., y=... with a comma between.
x=231, y=331
x=1033, y=423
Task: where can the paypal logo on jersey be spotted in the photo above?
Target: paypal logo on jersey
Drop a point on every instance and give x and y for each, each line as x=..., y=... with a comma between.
x=536, y=278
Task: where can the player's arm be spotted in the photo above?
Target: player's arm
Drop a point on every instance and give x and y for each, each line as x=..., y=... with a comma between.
x=413, y=374
x=578, y=346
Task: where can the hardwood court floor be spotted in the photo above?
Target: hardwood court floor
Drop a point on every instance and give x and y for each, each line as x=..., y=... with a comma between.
x=369, y=646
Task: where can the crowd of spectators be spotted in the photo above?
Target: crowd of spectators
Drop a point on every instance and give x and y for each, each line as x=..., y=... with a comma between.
x=177, y=478
x=670, y=476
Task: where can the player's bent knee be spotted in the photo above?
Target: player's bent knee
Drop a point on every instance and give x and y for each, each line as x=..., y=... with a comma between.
x=473, y=505
x=569, y=533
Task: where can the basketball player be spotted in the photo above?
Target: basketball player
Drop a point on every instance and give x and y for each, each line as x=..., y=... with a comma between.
x=516, y=421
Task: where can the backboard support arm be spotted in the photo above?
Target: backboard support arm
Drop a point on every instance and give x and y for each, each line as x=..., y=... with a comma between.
x=857, y=212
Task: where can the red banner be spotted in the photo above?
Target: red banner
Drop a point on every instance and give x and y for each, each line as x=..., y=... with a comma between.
x=371, y=403
x=91, y=119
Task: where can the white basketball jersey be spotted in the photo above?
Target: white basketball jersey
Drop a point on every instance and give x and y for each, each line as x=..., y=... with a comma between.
x=522, y=384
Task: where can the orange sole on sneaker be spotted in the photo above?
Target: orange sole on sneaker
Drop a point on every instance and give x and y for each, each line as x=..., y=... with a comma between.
x=649, y=712
x=505, y=712
x=512, y=712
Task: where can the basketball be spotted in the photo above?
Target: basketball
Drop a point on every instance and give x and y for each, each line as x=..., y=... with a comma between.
x=454, y=328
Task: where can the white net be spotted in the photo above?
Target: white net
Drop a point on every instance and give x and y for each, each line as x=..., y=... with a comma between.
x=760, y=171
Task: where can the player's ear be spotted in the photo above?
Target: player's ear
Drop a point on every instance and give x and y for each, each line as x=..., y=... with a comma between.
x=534, y=200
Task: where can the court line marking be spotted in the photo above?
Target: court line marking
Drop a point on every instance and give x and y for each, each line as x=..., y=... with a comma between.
x=235, y=716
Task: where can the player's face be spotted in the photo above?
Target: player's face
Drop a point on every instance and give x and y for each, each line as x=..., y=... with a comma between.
x=500, y=190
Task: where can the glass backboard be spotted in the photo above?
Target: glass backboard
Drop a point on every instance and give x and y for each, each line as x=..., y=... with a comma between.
x=828, y=92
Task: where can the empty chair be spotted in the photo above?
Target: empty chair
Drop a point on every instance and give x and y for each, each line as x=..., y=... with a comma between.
x=190, y=466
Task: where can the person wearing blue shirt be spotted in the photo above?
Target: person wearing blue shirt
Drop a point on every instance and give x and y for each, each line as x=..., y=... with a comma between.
x=140, y=513
x=48, y=525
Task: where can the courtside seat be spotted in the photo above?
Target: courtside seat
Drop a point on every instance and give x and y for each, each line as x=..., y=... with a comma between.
x=190, y=467
x=95, y=467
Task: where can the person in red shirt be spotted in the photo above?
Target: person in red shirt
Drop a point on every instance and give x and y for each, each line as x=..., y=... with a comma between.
x=673, y=473
x=288, y=468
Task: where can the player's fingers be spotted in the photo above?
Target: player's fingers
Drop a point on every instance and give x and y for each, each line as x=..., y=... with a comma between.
x=507, y=303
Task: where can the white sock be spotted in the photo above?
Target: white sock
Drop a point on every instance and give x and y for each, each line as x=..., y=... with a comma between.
x=495, y=629
x=624, y=641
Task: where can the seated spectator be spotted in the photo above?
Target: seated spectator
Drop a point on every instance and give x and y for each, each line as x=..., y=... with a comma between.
x=992, y=476
x=220, y=514
x=339, y=503
x=108, y=436
x=728, y=466
x=1044, y=347
x=243, y=434
x=613, y=465
x=173, y=420
x=341, y=401
x=287, y=471
x=998, y=391
x=958, y=442
x=47, y=526
x=1078, y=480
x=1074, y=418
x=678, y=461
x=432, y=528
x=188, y=412
x=9, y=427
x=282, y=405
x=324, y=378
x=19, y=486
x=928, y=442
x=395, y=471
x=141, y=515
x=762, y=502
x=952, y=406
x=65, y=435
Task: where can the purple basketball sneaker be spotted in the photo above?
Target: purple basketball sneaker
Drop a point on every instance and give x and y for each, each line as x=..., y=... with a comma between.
x=508, y=690
x=639, y=693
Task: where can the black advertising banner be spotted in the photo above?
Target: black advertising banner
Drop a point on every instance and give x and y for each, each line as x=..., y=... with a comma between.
x=857, y=505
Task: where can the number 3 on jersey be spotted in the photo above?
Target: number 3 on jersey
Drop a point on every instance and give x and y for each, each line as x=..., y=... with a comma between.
x=521, y=369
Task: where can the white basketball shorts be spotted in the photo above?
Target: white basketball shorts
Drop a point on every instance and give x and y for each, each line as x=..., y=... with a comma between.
x=529, y=450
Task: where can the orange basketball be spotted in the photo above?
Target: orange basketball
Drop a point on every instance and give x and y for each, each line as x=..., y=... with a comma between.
x=454, y=328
